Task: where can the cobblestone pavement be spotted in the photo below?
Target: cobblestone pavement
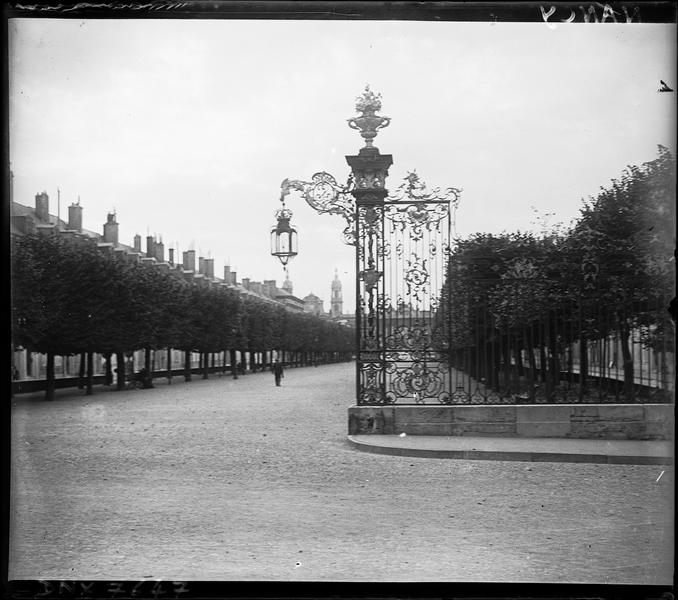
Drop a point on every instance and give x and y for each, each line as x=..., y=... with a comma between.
x=240, y=480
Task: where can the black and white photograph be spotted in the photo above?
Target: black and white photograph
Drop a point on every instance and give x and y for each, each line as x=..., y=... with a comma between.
x=317, y=297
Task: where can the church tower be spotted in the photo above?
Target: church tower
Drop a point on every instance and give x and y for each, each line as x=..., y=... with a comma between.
x=287, y=285
x=336, y=301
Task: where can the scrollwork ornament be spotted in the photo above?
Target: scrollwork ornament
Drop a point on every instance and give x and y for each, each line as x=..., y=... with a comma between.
x=417, y=218
x=326, y=196
x=414, y=189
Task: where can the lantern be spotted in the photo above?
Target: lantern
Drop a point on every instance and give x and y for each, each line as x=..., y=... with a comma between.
x=284, y=237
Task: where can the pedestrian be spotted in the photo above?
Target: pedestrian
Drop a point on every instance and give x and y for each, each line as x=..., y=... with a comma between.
x=277, y=369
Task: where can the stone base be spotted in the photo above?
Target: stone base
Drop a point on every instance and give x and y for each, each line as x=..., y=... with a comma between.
x=581, y=421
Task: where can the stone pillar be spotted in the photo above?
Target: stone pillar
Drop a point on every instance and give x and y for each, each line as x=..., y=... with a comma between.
x=370, y=169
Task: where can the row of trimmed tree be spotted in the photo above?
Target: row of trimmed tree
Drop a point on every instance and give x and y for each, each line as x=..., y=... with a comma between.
x=610, y=275
x=70, y=297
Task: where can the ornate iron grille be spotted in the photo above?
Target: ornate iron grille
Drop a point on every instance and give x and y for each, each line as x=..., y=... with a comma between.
x=402, y=248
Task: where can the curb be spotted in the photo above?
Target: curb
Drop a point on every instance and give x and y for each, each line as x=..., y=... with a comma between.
x=497, y=455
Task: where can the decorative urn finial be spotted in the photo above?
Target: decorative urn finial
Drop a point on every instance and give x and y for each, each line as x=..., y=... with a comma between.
x=369, y=123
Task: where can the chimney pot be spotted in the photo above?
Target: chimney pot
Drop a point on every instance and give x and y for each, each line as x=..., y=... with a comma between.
x=111, y=230
x=42, y=206
x=209, y=268
x=189, y=260
x=160, y=252
x=75, y=217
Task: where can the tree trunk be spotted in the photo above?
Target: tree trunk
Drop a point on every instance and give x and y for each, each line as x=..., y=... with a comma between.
x=169, y=366
x=629, y=383
x=583, y=366
x=187, y=365
x=234, y=364
x=147, y=361
x=49, y=375
x=120, y=367
x=81, y=372
x=506, y=360
x=532, y=361
x=109, y=370
x=90, y=373
x=542, y=363
x=552, y=366
x=495, y=353
x=205, y=365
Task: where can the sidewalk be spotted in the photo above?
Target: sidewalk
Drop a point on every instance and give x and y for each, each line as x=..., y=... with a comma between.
x=636, y=452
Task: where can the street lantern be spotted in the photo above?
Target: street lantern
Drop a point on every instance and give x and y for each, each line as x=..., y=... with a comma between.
x=284, y=237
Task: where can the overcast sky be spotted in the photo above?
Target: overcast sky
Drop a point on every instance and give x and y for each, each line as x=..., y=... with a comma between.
x=187, y=127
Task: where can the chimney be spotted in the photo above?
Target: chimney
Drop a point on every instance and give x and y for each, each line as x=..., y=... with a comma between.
x=234, y=277
x=209, y=268
x=111, y=229
x=189, y=260
x=42, y=206
x=150, y=246
x=171, y=256
x=75, y=217
x=269, y=285
x=160, y=251
x=227, y=274
x=137, y=243
x=201, y=265
x=256, y=287
x=246, y=283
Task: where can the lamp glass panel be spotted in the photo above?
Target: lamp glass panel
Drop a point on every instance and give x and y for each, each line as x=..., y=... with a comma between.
x=284, y=243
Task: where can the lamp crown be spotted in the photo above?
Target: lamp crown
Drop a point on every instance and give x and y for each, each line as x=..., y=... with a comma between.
x=283, y=214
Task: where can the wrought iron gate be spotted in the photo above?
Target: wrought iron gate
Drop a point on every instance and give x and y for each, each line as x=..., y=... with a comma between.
x=403, y=242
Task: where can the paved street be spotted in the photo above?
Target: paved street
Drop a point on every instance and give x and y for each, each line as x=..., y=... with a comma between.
x=240, y=480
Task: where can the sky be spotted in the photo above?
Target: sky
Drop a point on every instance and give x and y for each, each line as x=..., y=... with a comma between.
x=186, y=128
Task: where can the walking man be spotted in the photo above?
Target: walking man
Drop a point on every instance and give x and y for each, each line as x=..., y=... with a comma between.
x=277, y=369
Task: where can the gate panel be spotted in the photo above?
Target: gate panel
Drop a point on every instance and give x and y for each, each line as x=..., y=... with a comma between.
x=402, y=320
x=416, y=249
